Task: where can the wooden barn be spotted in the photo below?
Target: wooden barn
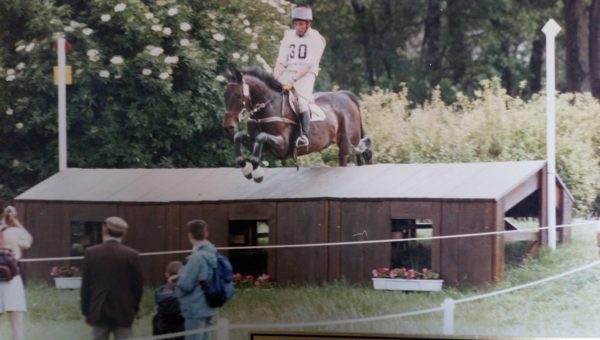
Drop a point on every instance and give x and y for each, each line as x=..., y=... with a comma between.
x=309, y=205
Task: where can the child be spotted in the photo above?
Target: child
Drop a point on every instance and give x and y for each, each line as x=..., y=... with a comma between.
x=168, y=317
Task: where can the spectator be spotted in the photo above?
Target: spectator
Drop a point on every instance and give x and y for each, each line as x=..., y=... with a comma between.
x=111, y=287
x=12, y=293
x=168, y=317
x=198, y=268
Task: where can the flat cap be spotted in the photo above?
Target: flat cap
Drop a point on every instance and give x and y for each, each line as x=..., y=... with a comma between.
x=116, y=223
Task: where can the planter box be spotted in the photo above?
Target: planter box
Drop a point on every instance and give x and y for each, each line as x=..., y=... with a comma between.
x=67, y=282
x=402, y=284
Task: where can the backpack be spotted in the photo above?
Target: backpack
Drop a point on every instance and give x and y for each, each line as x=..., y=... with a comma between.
x=8, y=264
x=219, y=288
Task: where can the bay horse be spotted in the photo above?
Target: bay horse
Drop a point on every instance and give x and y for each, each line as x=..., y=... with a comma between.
x=255, y=98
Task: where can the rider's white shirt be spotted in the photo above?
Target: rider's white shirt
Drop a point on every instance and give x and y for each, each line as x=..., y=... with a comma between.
x=296, y=52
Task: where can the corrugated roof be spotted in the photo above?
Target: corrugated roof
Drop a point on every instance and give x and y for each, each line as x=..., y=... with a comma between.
x=477, y=181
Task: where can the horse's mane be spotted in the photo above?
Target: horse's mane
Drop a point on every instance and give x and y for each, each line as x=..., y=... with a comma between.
x=266, y=77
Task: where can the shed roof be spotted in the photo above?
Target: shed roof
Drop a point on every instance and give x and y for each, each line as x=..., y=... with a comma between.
x=448, y=181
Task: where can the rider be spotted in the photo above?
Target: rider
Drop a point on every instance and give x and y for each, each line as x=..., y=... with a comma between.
x=298, y=64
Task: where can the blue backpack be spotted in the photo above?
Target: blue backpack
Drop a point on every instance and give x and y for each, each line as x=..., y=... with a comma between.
x=219, y=288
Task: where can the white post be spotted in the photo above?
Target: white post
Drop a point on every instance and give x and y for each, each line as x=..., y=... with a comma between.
x=448, y=306
x=551, y=29
x=62, y=106
x=223, y=329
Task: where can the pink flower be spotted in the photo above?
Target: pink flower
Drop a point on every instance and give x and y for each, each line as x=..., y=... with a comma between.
x=237, y=277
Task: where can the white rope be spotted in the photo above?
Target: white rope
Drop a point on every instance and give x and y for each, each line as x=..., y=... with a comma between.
x=530, y=284
x=331, y=244
x=174, y=335
x=380, y=317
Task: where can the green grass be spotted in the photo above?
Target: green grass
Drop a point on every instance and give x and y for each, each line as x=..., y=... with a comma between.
x=563, y=308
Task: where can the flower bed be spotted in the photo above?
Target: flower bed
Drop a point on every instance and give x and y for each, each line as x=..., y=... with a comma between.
x=406, y=279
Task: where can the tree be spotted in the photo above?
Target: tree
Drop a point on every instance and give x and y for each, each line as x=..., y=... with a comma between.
x=147, y=86
x=576, y=27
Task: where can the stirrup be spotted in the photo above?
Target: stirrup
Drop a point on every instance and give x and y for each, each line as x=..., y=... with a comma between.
x=302, y=142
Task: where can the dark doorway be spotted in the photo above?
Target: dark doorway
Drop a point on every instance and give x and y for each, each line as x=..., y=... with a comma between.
x=249, y=233
x=411, y=254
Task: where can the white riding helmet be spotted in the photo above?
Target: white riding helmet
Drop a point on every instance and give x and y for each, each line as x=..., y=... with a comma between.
x=302, y=13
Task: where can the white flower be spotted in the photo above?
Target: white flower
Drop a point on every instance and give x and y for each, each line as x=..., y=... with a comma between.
x=156, y=28
x=156, y=51
x=20, y=66
x=117, y=60
x=235, y=55
x=185, y=26
x=253, y=46
x=10, y=71
x=171, y=59
x=149, y=15
x=146, y=71
x=105, y=17
x=10, y=77
x=9, y=111
x=104, y=74
x=242, y=16
x=120, y=7
x=281, y=10
x=211, y=15
x=19, y=125
x=218, y=37
x=93, y=55
x=246, y=22
x=245, y=58
x=248, y=30
x=118, y=76
x=74, y=24
x=167, y=31
x=87, y=31
x=20, y=48
x=69, y=29
x=220, y=78
x=184, y=42
x=29, y=46
x=163, y=75
x=172, y=11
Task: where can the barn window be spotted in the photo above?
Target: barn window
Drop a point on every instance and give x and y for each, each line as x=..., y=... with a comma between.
x=249, y=233
x=411, y=254
x=83, y=235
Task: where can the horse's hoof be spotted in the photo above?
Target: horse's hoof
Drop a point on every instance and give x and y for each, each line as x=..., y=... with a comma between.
x=240, y=161
x=247, y=170
x=258, y=174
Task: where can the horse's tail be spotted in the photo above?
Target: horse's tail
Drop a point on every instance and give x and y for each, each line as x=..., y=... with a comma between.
x=365, y=144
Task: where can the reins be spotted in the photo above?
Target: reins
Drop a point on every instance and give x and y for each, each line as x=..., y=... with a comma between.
x=249, y=114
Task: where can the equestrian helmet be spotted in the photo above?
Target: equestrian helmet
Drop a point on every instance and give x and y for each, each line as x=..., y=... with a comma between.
x=302, y=13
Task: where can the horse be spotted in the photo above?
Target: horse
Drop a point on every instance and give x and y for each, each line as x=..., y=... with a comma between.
x=255, y=98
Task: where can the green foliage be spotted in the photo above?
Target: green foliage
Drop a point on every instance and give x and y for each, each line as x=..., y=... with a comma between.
x=147, y=79
x=490, y=127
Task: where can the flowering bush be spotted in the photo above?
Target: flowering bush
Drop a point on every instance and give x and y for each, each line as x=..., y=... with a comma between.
x=403, y=273
x=249, y=281
x=64, y=271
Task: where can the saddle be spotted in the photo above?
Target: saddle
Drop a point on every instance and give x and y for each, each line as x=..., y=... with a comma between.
x=316, y=113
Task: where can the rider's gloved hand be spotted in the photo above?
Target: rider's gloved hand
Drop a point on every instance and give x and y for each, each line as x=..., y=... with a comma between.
x=288, y=86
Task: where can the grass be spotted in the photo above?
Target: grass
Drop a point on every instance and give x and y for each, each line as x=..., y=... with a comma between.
x=561, y=308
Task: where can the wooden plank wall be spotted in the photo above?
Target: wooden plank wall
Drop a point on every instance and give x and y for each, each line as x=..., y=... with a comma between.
x=298, y=223
x=467, y=260
x=356, y=262
x=50, y=226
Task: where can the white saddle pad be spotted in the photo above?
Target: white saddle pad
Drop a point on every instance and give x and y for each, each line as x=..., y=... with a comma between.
x=316, y=113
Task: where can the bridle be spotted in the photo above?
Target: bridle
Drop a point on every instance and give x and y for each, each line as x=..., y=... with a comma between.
x=249, y=112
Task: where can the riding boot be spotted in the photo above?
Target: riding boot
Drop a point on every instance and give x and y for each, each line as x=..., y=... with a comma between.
x=302, y=141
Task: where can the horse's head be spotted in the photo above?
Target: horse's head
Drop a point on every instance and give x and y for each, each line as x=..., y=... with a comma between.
x=248, y=93
x=234, y=100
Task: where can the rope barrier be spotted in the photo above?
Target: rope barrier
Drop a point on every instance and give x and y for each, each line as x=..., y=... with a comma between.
x=332, y=244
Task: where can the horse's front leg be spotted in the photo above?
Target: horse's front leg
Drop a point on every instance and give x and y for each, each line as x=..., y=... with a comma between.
x=259, y=143
x=240, y=139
